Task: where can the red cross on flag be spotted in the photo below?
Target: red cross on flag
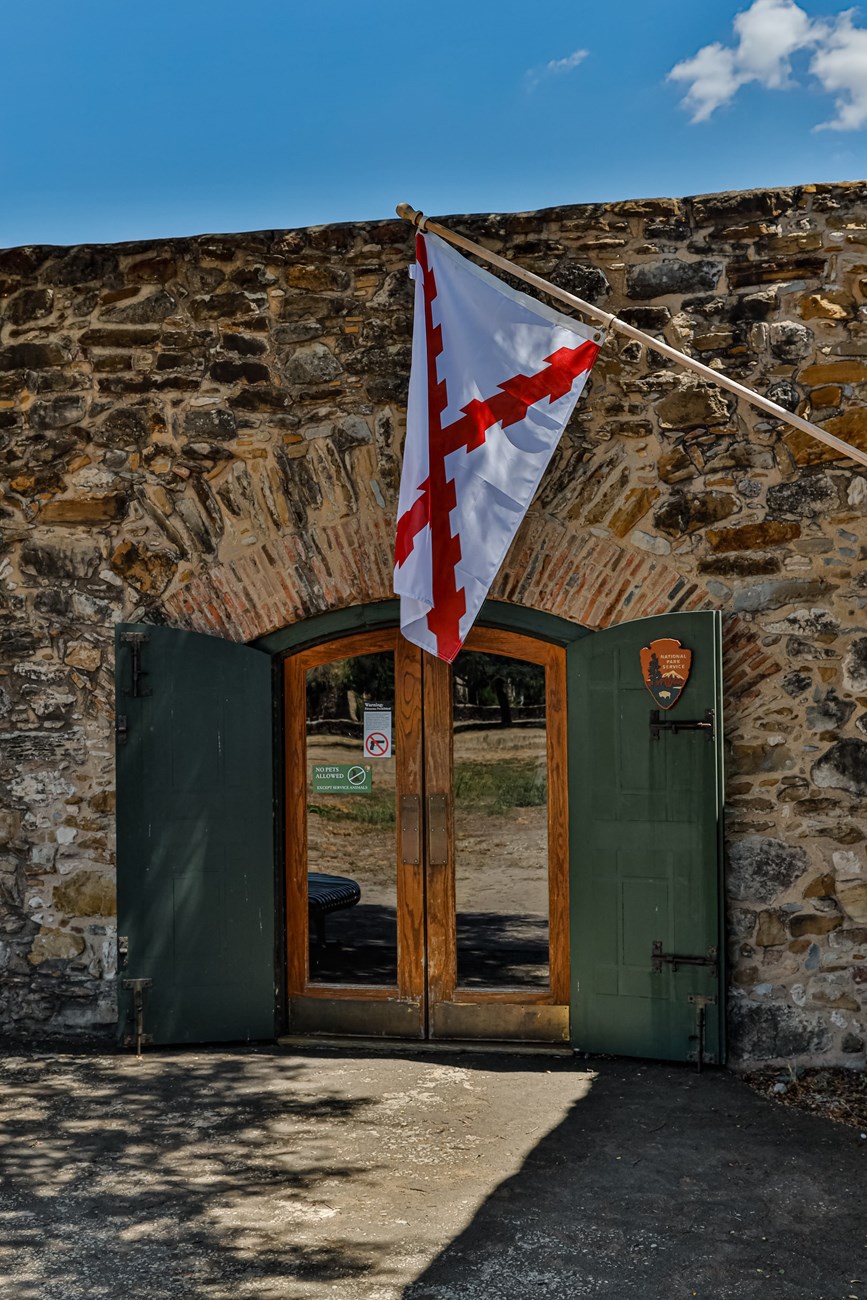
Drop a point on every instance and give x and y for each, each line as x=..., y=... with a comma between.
x=495, y=377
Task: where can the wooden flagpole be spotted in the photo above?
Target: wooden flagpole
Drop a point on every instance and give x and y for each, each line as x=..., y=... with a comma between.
x=611, y=322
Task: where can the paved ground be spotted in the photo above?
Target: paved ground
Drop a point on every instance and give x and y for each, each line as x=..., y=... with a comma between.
x=218, y=1175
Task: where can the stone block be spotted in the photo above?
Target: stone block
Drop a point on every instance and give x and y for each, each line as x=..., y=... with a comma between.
x=672, y=276
x=313, y=364
x=83, y=510
x=820, y=887
x=689, y=407
x=752, y=537
x=826, y=305
x=790, y=341
x=84, y=655
x=813, y=923
x=850, y=371
x=683, y=513
x=775, y=594
x=829, y=712
x=769, y=1032
x=86, y=893
x=154, y=308
x=852, y=896
x=587, y=282
x=761, y=868
x=32, y=356
x=771, y=270
x=248, y=372
x=634, y=507
x=55, y=945
x=806, y=498
x=29, y=305
x=855, y=666
x=70, y=558
x=843, y=767
x=771, y=930
x=56, y=413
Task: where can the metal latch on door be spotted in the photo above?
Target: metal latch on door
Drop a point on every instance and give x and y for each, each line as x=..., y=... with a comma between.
x=674, y=959
x=675, y=725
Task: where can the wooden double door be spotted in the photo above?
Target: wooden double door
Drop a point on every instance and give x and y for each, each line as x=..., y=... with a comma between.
x=427, y=839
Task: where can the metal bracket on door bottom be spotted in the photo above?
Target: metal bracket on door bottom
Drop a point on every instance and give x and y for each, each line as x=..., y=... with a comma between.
x=674, y=725
x=438, y=829
x=701, y=1002
x=138, y=1037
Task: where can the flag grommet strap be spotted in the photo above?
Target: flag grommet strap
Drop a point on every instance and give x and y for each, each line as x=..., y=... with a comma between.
x=495, y=377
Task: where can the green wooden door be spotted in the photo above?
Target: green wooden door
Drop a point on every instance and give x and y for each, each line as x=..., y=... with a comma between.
x=195, y=835
x=644, y=845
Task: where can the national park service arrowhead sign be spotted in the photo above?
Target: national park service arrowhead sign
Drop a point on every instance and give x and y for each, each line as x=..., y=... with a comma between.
x=665, y=665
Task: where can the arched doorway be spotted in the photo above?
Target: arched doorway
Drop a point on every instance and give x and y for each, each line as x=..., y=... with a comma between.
x=427, y=838
x=420, y=887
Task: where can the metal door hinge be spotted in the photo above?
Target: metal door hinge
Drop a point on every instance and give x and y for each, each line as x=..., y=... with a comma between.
x=674, y=725
x=121, y=729
x=674, y=959
x=122, y=951
x=135, y=641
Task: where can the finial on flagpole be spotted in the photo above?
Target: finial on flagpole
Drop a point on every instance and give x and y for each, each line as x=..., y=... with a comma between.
x=408, y=213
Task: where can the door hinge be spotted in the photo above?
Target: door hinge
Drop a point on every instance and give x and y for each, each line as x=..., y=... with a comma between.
x=674, y=959
x=674, y=725
x=121, y=729
x=122, y=951
x=135, y=640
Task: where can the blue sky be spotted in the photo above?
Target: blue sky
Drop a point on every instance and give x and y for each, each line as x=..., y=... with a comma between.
x=127, y=121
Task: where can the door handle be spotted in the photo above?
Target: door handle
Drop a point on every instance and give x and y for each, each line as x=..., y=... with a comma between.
x=410, y=829
x=438, y=829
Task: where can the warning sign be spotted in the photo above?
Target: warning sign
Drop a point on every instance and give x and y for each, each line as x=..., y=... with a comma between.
x=377, y=731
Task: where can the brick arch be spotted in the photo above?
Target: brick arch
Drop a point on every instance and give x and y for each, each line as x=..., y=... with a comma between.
x=595, y=581
x=587, y=579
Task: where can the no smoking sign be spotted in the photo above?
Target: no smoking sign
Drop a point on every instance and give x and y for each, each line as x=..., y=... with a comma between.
x=377, y=732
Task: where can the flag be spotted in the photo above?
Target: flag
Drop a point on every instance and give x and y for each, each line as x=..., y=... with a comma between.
x=495, y=377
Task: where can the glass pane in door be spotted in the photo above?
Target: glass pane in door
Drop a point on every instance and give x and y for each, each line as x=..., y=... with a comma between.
x=501, y=821
x=352, y=880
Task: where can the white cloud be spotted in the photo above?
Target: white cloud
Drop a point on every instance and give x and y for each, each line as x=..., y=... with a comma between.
x=715, y=80
x=554, y=68
x=768, y=34
x=841, y=66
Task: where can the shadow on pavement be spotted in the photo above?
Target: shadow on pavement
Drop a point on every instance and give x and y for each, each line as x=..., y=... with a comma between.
x=661, y=1183
x=123, y=1178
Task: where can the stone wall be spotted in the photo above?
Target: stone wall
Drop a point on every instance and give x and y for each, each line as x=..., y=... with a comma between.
x=207, y=432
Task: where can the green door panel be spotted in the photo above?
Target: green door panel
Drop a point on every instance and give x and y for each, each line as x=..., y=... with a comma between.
x=645, y=825
x=195, y=835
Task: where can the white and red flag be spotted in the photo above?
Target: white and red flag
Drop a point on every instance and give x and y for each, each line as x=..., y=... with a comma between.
x=495, y=377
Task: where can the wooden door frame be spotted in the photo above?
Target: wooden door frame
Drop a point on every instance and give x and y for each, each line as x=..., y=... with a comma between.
x=381, y=615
